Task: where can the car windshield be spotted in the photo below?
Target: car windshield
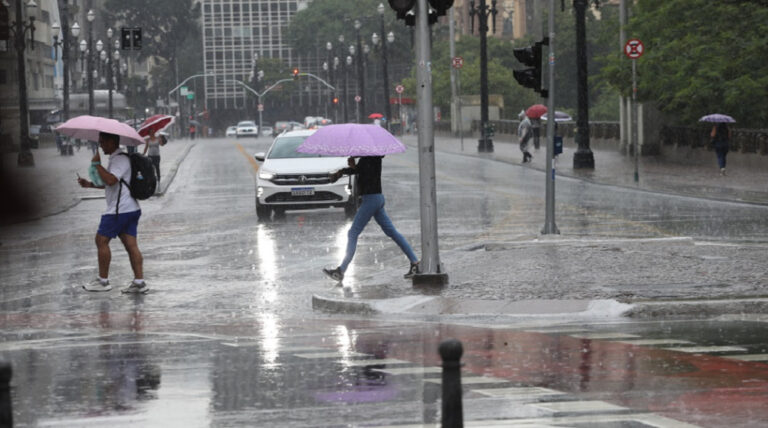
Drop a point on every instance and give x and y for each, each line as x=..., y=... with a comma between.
x=246, y=124
x=285, y=148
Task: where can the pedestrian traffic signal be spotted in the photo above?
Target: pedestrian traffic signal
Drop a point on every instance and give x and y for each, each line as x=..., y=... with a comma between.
x=295, y=74
x=335, y=100
x=130, y=38
x=531, y=77
x=441, y=6
x=404, y=9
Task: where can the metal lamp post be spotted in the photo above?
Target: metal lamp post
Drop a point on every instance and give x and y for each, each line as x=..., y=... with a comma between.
x=360, y=74
x=64, y=43
x=83, y=49
x=110, y=33
x=385, y=65
x=89, y=59
x=25, y=157
x=583, y=158
x=485, y=144
x=327, y=76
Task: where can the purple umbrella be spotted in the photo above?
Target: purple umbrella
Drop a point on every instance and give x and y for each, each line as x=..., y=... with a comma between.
x=717, y=118
x=351, y=139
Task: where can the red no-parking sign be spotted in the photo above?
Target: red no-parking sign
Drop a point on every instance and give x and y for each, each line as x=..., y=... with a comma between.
x=634, y=49
x=457, y=62
x=399, y=89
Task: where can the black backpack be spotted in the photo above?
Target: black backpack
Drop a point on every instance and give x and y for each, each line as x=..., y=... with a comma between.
x=143, y=179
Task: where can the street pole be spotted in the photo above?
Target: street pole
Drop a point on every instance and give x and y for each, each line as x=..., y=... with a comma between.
x=549, y=214
x=344, y=91
x=458, y=109
x=622, y=99
x=454, y=70
x=109, y=63
x=65, y=56
x=89, y=60
x=583, y=158
x=635, y=138
x=360, y=74
x=25, y=157
x=384, y=41
x=485, y=144
x=431, y=270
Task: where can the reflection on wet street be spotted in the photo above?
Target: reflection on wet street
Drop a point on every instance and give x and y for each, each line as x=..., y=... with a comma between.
x=227, y=335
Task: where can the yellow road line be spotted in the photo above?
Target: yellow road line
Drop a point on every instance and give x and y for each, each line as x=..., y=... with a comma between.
x=250, y=158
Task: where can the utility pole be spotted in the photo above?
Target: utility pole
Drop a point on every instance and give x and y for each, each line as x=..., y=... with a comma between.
x=549, y=214
x=452, y=53
x=583, y=158
x=485, y=144
x=431, y=270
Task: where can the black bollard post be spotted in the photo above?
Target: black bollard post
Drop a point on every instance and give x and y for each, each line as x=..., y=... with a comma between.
x=6, y=411
x=453, y=415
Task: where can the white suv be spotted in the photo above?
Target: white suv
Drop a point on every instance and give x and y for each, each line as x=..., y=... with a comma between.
x=289, y=180
x=247, y=128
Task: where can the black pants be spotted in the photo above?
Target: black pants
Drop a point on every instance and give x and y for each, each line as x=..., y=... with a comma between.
x=156, y=162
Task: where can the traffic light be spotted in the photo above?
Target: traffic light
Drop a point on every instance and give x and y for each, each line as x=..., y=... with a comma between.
x=137, y=38
x=441, y=6
x=295, y=73
x=531, y=56
x=335, y=100
x=402, y=7
x=130, y=38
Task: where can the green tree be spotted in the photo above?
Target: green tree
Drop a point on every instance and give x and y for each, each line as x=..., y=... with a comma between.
x=700, y=57
x=170, y=34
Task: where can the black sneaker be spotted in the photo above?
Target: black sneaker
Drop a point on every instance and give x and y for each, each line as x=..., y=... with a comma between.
x=412, y=271
x=335, y=274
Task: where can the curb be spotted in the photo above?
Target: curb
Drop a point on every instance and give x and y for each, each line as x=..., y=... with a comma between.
x=172, y=171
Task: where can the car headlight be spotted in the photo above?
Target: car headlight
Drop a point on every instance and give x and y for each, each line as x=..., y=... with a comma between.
x=266, y=175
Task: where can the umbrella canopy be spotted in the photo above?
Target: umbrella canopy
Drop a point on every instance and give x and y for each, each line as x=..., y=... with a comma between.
x=194, y=122
x=559, y=116
x=155, y=124
x=88, y=128
x=375, y=116
x=351, y=139
x=717, y=118
x=535, y=111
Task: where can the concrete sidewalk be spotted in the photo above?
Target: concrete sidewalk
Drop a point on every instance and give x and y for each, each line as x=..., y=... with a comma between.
x=626, y=277
x=51, y=185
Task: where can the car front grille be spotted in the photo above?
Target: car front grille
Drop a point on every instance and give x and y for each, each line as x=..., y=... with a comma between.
x=301, y=179
x=317, y=197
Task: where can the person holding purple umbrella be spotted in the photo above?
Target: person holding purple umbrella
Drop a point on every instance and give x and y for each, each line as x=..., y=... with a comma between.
x=721, y=136
x=368, y=170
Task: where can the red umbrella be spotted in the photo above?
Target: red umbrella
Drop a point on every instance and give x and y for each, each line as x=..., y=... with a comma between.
x=375, y=116
x=155, y=124
x=536, y=111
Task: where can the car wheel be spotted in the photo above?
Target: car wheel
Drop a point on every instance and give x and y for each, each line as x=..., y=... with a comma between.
x=262, y=212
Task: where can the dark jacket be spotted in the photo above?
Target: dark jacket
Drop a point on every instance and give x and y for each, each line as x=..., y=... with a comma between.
x=368, y=170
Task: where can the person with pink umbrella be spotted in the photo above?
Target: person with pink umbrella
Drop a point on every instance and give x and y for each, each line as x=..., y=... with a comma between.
x=121, y=218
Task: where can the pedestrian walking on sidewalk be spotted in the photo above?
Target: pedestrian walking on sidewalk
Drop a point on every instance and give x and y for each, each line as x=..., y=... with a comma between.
x=152, y=149
x=368, y=170
x=721, y=137
x=524, y=134
x=536, y=132
x=121, y=218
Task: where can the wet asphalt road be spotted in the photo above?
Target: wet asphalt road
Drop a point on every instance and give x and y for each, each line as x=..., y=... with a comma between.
x=220, y=338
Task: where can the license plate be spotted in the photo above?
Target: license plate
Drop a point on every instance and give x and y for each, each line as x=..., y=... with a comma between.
x=302, y=191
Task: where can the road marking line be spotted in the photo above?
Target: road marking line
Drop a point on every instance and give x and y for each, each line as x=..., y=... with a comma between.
x=749, y=357
x=374, y=362
x=602, y=336
x=707, y=349
x=410, y=370
x=320, y=355
x=652, y=342
x=471, y=380
x=250, y=158
x=533, y=392
x=579, y=406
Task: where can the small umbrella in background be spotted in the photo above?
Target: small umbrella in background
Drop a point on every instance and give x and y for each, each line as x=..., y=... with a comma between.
x=717, y=118
x=375, y=116
x=559, y=116
x=88, y=128
x=155, y=124
x=351, y=139
x=535, y=111
x=194, y=122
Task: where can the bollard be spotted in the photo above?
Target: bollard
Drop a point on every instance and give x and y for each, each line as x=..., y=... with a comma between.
x=6, y=411
x=453, y=415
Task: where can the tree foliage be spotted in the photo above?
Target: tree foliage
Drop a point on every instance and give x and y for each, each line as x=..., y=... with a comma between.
x=700, y=57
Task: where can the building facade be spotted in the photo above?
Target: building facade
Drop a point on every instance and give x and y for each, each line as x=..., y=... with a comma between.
x=233, y=32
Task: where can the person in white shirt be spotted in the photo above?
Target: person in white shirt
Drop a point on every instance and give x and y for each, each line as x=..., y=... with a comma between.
x=121, y=218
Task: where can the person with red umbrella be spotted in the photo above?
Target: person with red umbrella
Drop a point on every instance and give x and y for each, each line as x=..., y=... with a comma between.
x=524, y=133
x=149, y=130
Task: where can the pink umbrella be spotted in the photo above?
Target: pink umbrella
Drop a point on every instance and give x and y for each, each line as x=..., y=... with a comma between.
x=351, y=139
x=535, y=111
x=88, y=128
x=155, y=123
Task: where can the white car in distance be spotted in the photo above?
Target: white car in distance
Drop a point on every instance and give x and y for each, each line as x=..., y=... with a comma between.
x=247, y=128
x=289, y=180
x=231, y=131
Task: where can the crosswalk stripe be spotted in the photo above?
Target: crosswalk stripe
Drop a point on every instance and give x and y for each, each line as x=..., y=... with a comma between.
x=749, y=357
x=321, y=355
x=652, y=342
x=706, y=349
x=374, y=362
x=578, y=406
x=472, y=380
x=410, y=370
x=603, y=336
x=518, y=392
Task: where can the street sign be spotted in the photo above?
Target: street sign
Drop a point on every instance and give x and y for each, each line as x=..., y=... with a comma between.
x=399, y=89
x=634, y=49
x=261, y=107
x=357, y=98
x=191, y=95
x=183, y=91
x=457, y=62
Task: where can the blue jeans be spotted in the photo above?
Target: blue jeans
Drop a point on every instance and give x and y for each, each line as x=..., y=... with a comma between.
x=721, y=152
x=373, y=206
